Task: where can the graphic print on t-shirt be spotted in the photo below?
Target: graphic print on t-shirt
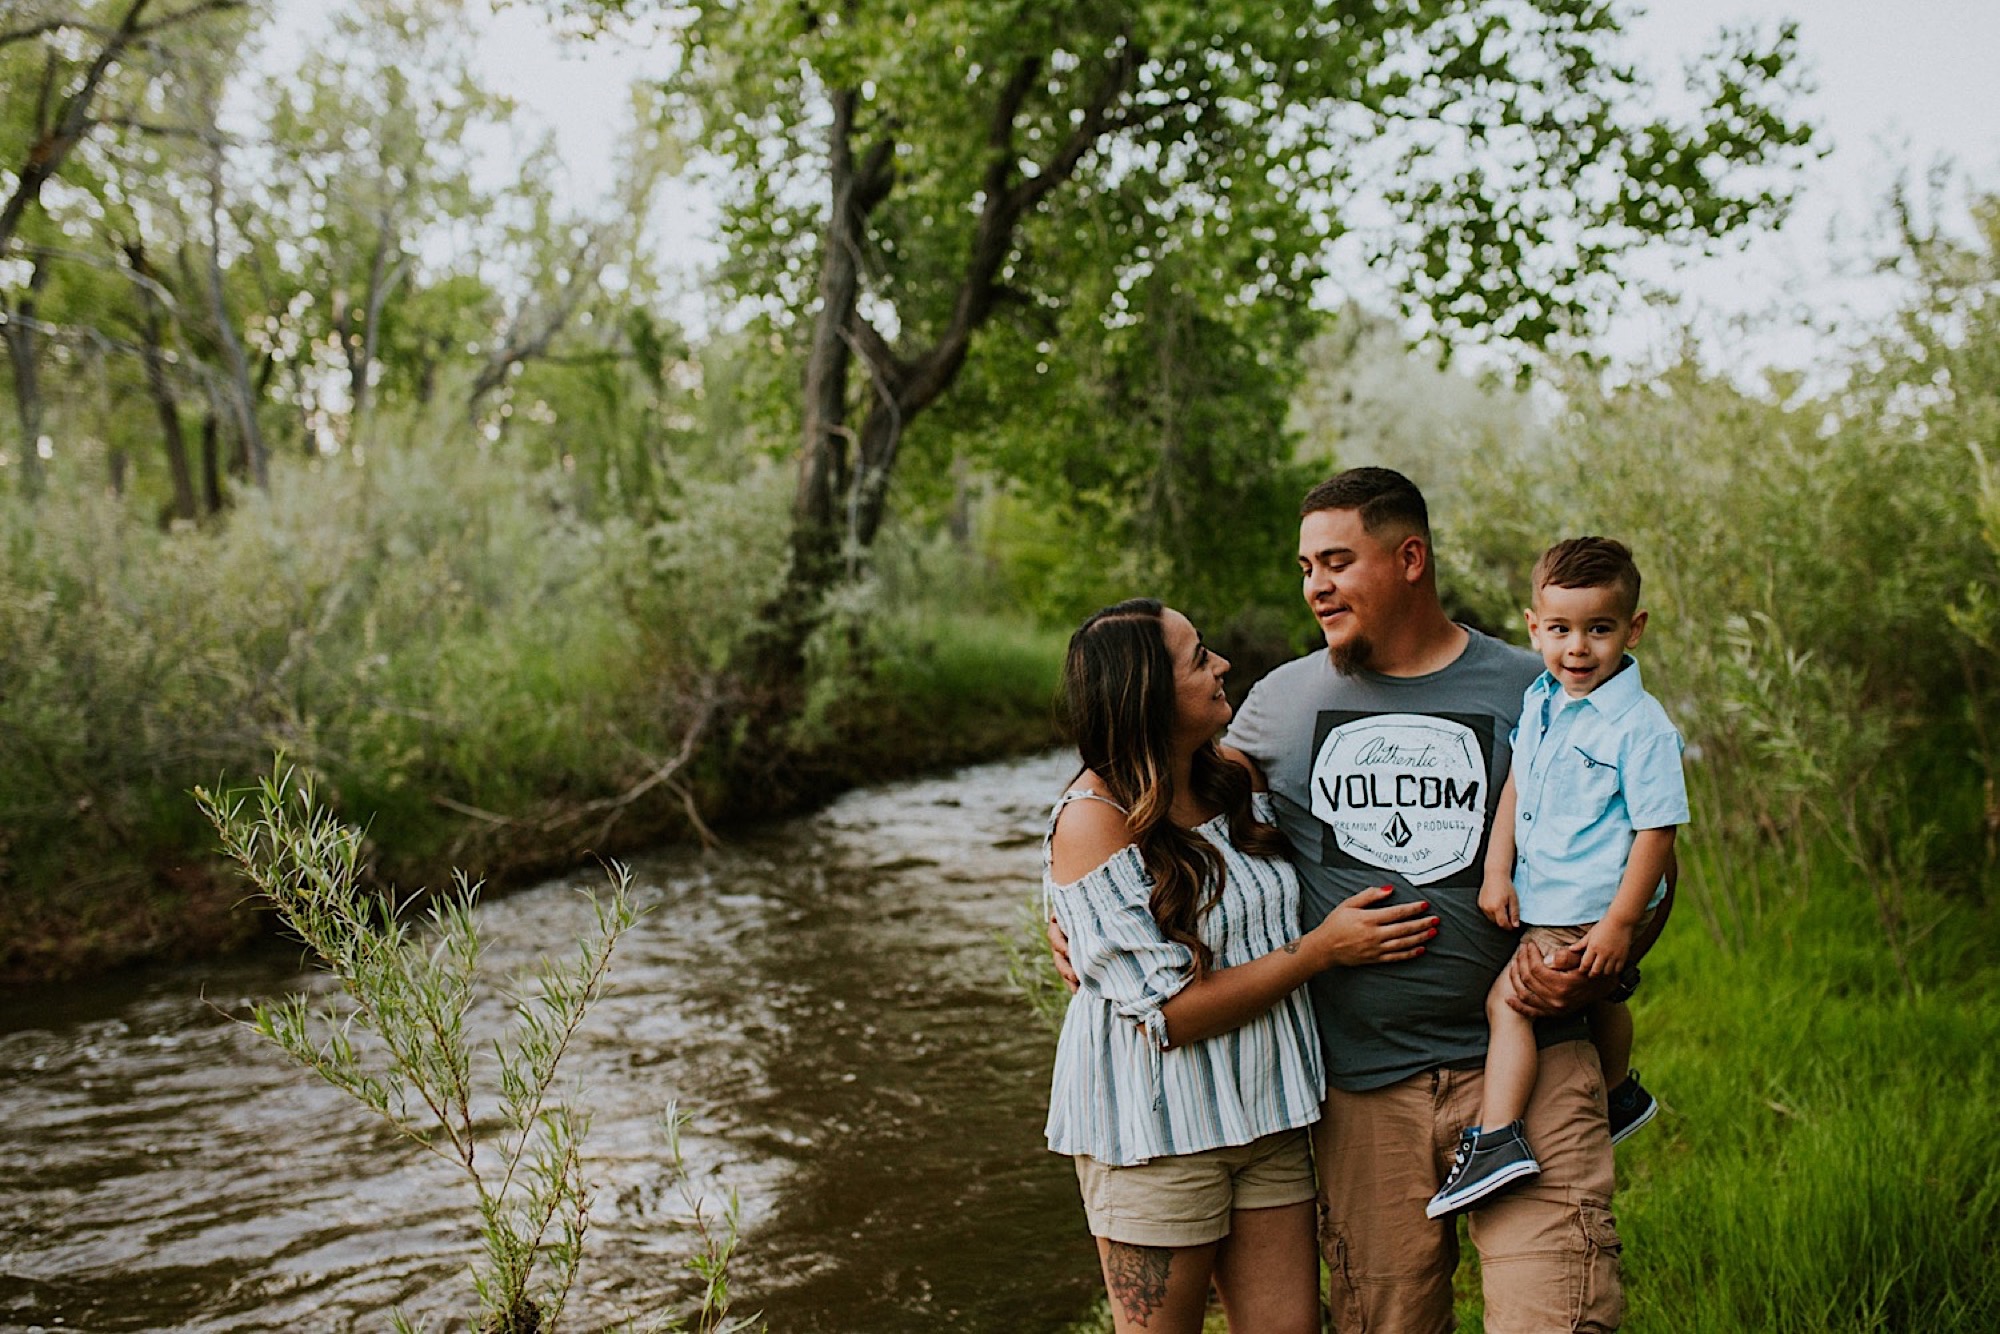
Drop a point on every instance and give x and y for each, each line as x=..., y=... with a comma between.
x=1403, y=792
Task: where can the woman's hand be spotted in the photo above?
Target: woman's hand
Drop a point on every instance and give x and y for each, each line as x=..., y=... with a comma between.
x=1364, y=929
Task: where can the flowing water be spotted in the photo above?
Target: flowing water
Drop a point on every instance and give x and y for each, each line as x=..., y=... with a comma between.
x=825, y=996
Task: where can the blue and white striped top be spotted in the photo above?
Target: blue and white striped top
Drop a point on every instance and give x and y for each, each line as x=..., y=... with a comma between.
x=1120, y=1094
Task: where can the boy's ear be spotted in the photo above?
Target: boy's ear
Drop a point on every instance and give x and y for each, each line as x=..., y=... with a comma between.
x=1638, y=628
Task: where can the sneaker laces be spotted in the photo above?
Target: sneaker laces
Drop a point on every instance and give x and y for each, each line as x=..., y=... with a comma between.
x=1461, y=1155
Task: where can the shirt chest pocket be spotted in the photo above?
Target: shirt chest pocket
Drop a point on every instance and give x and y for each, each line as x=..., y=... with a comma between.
x=1585, y=787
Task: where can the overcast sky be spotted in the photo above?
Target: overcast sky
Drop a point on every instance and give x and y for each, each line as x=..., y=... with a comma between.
x=1897, y=86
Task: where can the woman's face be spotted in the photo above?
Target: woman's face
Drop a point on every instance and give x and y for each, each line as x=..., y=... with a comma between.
x=1201, y=710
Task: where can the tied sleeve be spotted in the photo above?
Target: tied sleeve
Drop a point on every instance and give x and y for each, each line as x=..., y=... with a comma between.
x=1117, y=947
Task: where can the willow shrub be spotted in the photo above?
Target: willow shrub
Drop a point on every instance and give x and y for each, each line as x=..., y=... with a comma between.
x=1802, y=566
x=433, y=633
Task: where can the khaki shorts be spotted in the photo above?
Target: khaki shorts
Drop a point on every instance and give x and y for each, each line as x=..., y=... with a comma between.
x=1186, y=1199
x=1549, y=939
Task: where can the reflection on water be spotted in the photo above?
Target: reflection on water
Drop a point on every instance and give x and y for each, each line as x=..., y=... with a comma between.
x=825, y=996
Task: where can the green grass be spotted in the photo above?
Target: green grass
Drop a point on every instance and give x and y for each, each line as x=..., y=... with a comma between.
x=975, y=676
x=932, y=687
x=1826, y=1160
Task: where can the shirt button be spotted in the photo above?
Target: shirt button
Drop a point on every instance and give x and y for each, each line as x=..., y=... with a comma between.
x=1527, y=815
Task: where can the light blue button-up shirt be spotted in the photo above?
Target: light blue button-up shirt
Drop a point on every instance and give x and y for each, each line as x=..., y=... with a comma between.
x=1588, y=774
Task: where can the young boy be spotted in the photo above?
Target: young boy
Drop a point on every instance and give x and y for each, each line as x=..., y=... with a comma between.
x=1580, y=844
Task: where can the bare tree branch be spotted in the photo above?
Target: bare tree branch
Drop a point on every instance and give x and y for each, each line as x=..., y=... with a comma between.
x=73, y=119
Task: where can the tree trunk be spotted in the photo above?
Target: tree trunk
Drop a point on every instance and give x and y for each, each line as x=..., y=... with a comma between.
x=24, y=357
x=843, y=494
x=361, y=341
x=958, y=522
x=211, y=464
x=242, y=398
x=776, y=649
x=844, y=475
x=160, y=388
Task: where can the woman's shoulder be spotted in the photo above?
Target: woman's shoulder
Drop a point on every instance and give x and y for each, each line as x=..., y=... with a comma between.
x=1090, y=830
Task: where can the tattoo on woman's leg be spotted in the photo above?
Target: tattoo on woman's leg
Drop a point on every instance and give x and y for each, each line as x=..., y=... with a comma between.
x=1137, y=1277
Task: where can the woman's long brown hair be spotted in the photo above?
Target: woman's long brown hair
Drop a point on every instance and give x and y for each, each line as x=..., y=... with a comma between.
x=1119, y=704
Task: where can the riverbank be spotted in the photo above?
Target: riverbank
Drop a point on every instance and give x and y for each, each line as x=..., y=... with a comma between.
x=189, y=903
x=514, y=735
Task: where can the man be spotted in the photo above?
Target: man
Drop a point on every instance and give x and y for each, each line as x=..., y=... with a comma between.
x=1386, y=754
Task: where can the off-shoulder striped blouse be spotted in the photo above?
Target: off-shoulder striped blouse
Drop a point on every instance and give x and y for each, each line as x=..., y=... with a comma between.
x=1120, y=1094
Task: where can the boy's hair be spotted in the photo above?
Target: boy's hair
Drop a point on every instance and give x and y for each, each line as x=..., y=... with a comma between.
x=1589, y=562
x=1383, y=497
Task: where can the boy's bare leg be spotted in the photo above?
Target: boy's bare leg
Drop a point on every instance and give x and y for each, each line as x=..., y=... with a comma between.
x=1611, y=1034
x=1510, y=1059
x=1268, y=1271
x=1158, y=1289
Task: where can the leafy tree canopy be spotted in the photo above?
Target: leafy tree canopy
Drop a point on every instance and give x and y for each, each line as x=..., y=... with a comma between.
x=1131, y=205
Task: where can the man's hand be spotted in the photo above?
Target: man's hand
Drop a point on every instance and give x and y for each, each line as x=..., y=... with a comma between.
x=1499, y=902
x=1059, y=947
x=1558, y=985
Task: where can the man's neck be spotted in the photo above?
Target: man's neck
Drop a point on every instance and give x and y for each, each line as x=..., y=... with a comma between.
x=1426, y=641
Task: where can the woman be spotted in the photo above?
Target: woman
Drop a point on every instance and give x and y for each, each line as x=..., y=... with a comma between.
x=1189, y=1067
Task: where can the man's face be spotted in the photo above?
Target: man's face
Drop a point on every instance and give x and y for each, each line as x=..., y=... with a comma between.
x=1355, y=582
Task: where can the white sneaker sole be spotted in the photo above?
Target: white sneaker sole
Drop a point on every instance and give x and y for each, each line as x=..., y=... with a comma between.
x=1652, y=1110
x=1442, y=1207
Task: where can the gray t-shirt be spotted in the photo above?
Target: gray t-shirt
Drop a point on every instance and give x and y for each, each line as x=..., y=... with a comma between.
x=1391, y=780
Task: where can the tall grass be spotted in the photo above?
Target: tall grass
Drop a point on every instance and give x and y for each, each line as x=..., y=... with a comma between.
x=1824, y=1163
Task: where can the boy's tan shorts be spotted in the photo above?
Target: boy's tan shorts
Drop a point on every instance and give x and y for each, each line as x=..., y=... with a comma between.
x=1549, y=939
x=1186, y=1199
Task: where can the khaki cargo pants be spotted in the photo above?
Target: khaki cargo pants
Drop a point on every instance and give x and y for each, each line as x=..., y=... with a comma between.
x=1548, y=1248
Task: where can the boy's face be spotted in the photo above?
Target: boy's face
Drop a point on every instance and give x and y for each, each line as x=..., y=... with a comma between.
x=1582, y=634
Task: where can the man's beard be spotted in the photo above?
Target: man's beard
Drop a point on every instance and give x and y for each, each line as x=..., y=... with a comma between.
x=1352, y=656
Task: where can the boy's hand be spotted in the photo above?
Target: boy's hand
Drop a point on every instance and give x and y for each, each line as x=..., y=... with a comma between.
x=1607, y=948
x=1499, y=902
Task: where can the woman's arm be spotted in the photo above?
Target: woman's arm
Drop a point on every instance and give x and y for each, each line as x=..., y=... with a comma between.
x=1357, y=932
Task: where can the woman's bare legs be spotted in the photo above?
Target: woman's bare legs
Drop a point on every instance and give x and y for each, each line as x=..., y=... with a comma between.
x=1268, y=1271
x=1156, y=1289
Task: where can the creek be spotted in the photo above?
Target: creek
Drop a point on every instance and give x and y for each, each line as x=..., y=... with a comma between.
x=826, y=996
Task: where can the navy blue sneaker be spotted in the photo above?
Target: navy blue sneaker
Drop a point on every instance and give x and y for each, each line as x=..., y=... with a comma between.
x=1487, y=1162
x=1631, y=1107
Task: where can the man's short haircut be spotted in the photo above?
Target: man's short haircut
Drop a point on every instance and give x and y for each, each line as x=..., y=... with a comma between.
x=1383, y=497
x=1590, y=562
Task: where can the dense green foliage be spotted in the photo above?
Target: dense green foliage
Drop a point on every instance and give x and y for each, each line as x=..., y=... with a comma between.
x=1074, y=247
x=1815, y=1173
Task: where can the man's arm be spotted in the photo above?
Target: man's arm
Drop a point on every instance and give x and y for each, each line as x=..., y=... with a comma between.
x=1544, y=990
